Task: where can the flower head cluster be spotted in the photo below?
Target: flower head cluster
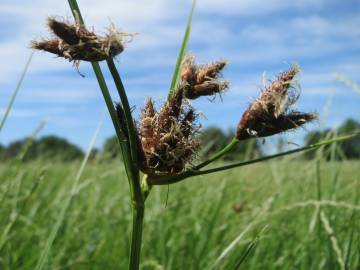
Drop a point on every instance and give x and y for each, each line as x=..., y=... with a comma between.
x=201, y=80
x=75, y=43
x=168, y=137
x=271, y=113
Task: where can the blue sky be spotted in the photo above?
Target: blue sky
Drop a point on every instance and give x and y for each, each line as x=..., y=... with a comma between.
x=256, y=37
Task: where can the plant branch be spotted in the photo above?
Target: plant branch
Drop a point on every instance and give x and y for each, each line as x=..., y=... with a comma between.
x=124, y=100
x=165, y=180
x=218, y=155
x=128, y=151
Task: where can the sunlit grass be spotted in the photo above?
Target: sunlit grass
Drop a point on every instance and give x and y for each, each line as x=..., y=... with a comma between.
x=189, y=230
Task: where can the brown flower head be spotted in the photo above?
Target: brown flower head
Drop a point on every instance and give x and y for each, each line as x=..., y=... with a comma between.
x=168, y=136
x=75, y=43
x=201, y=80
x=270, y=113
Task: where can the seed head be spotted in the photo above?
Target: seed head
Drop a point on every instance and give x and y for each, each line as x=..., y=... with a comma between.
x=168, y=136
x=74, y=42
x=270, y=113
x=201, y=80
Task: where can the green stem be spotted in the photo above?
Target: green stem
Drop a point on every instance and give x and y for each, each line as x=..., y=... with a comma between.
x=128, y=150
x=166, y=180
x=218, y=155
x=13, y=97
x=136, y=237
x=124, y=146
x=124, y=101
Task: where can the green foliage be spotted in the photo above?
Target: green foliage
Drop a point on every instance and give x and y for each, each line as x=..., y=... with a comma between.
x=214, y=139
x=54, y=147
x=189, y=231
x=47, y=148
x=182, y=52
x=349, y=148
x=111, y=149
x=2, y=149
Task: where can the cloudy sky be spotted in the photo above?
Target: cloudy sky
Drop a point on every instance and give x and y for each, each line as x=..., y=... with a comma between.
x=256, y=37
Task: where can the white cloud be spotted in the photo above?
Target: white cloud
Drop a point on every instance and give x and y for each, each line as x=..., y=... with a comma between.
x=229, y=29
x=19, y=113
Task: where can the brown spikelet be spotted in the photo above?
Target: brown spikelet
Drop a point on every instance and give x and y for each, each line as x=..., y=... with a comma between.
x=65, y=31
x=201, y=80
x=77, y=43
x=270, y=114
x=54, y=46
x=168, y=137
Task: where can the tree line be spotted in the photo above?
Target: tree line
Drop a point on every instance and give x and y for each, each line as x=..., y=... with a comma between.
x=59, y=149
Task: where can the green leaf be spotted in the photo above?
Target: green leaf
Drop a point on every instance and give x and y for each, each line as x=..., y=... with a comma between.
x=13, y=97
x=250, y=247
x=176, y=75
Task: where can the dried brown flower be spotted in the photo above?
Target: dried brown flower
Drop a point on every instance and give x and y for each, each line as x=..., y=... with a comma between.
x=75, y=43
x=168, y=136
x=270, y=113
x=201, y=80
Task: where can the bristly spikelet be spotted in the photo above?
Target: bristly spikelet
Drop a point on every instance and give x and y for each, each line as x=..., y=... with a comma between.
x=201, y=80
x=270, y=113
x=74, y=42
x=168, y=136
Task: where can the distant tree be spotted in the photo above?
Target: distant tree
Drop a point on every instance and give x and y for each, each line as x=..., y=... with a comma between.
x=47, y=148
x=16, y=148
x=94, y=154
x=53, y=147
x=2, y=149
x=350, y=147
x=214, y=139
x=111, y=148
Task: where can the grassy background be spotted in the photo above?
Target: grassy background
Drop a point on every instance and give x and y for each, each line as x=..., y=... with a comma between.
x=188, y=227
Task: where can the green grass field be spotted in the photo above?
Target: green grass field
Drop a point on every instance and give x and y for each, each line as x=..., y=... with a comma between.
x=284, y=214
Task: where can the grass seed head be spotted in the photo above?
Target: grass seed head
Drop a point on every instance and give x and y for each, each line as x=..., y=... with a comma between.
x=270, y=113
x=168, y=136
x=74, y=42
x=201, y=80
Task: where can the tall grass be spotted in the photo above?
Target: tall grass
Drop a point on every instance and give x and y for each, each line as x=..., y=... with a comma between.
x=56, y=224
x=199, y=228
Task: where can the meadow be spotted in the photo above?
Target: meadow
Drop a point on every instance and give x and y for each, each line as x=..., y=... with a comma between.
x=284, y=214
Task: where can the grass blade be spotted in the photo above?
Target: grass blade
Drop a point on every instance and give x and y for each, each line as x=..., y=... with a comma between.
x=249, y=248
x=176, y=75
x=13, y=97
x=50, y=240
x=349, y=83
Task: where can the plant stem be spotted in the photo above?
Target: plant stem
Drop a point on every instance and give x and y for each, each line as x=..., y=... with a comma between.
x=13, y=97
x=124, y=100
x=129, y=152
x=136, y=237
x=218, y=155
x=166, y=180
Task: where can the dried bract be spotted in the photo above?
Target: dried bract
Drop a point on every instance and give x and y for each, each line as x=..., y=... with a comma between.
x=168, y=136
x=75, y=43
x=201, y=80
x=270, y=113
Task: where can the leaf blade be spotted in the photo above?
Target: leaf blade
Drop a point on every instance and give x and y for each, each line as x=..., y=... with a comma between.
x=176, y=74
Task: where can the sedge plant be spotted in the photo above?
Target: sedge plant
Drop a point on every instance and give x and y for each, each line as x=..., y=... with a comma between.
x=161, y=147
